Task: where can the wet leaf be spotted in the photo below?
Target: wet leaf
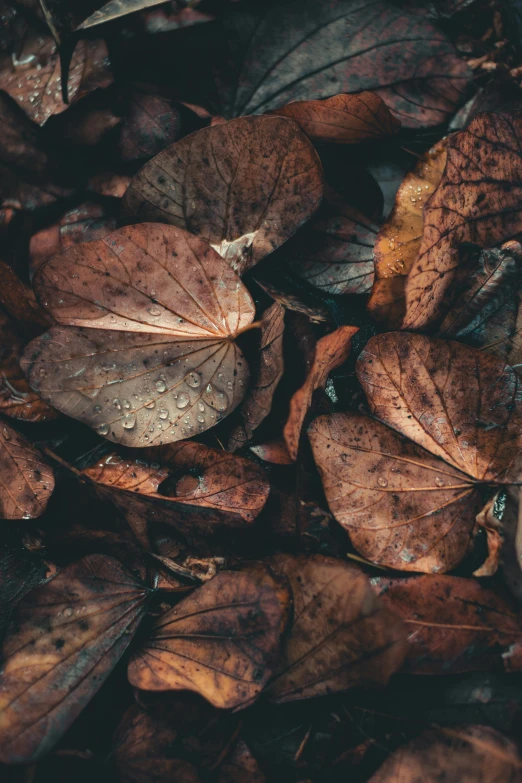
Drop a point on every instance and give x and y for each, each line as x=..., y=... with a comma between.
x=275, y=452
x=68, y=636
x=477, y=201
x=473, y=754
x=115, y=9
x=151, y=297
x=402, y=507
x=258, y=402
x=26, y=481
x=345, y=47
x=189, y=473
x=222, y=642
x=340, y=635
x=343, y=119
x=459, y=403
x=455, y=625
x=212, y=184
x=330, y=352
x=399, y=240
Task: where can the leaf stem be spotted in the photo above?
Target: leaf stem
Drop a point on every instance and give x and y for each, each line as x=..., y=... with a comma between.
x=254, y=325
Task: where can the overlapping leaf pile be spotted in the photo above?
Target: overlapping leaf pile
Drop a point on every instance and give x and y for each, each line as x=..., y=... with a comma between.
x=260, y=448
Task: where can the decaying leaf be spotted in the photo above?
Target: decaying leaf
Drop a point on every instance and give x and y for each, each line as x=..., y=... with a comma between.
x=340, y=635
x=258, y=401
x=455, y=625
x=472, y=754
x=212, y=184
x=330, y=352
x=343, y=119
x=241, y=766
x=222, y=641
x=402, y=507
x=275, y=452
x=26, y=480
x=150, y=359
x=20, y=571
x=67, y=637
x=477, y=201
x=20, y=302
x=399, y=240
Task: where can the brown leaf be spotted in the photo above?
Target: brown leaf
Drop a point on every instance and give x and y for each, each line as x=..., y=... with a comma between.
x=459, y=403
x=222, y=642
x=151, y=297
x=343, y=47
x=478, y=201
x=258, y=402
x=473, y=754
x=212, y=184
x=315, y=312
x=114, y=9
x=240, y=766
x=33, y=77
x=26, y=481
x=19, y=301
x=192, y=474
x=455, y=625
x=331, y=351
x=340, y=635
x=402, y=507
x=275, y=452
x=399, y=240
x=343, y=119
x=69, y=635
x=20, y=571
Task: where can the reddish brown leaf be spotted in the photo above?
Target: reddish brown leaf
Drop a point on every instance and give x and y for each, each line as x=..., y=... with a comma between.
x=331, y=351
x=478, y=201
x=212, y=184
x=155, y=298
x=26, y=481
x=399, y=240
x=69, y=634
x=258, y=402
x=459, y=403
x=343, y=119
x=222, y=642
x=19, y=301
x=275, y=452
x=473, y=754
x=402, y=507
x=340, y=635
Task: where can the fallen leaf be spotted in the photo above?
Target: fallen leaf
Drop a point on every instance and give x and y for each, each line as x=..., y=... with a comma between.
x=20, y=302
x=340, y=636
x=315, y=312
x=402, y=507
x=114, y=9
x=222, y=642
x=275, y=452
x=26, y=481
x=211, y=183
x=343, y=119
x=331, y=351
x=258, y=402
x=472, y=754
x=240, y=766
x=20, y=571
x=399, y=240
x=147, y=296
x=69, y=635
x=477, y=201
x=455, y=625
x=345, y=47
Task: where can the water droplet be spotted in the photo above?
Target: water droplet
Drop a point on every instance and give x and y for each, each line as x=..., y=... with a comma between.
x=117, y=404
x=193, y=380
x=439, y=482
x=103, y=429
x=150, y=404
x=201, y=406
x=126, y=404
x=68, y=611
x=382, y=482
x=183, y=400
x=201, y=418
x=7, y=434
x=155, y=311
x=129, y=421
x=97, y=409
x=163, y=414
x=161, y=386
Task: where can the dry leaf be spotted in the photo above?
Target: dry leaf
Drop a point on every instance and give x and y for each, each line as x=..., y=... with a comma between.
x=399, y=240
x=151, y=297
x=258, y=402
x=26, y=480
x=20, y=571
x=455, y=625
x=472, y=754
x=222, y=641
x=402, y=507
x=315, y=312
x=275, y=452
x=240, y=766
x=343, y=119
x=340, y=636
x=330, y=352
x=212, y=184
x=114, y=9
x=68, y=636
x=477, y=201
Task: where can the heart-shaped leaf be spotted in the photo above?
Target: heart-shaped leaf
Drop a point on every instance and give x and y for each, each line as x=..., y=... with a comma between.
x=213, y=184
x=477, y=201
x=68, y=636
x=155, y=362
x=26, y=480
x=455, y=625
x=402, y=507
x=340, y=635
x=222, y=641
